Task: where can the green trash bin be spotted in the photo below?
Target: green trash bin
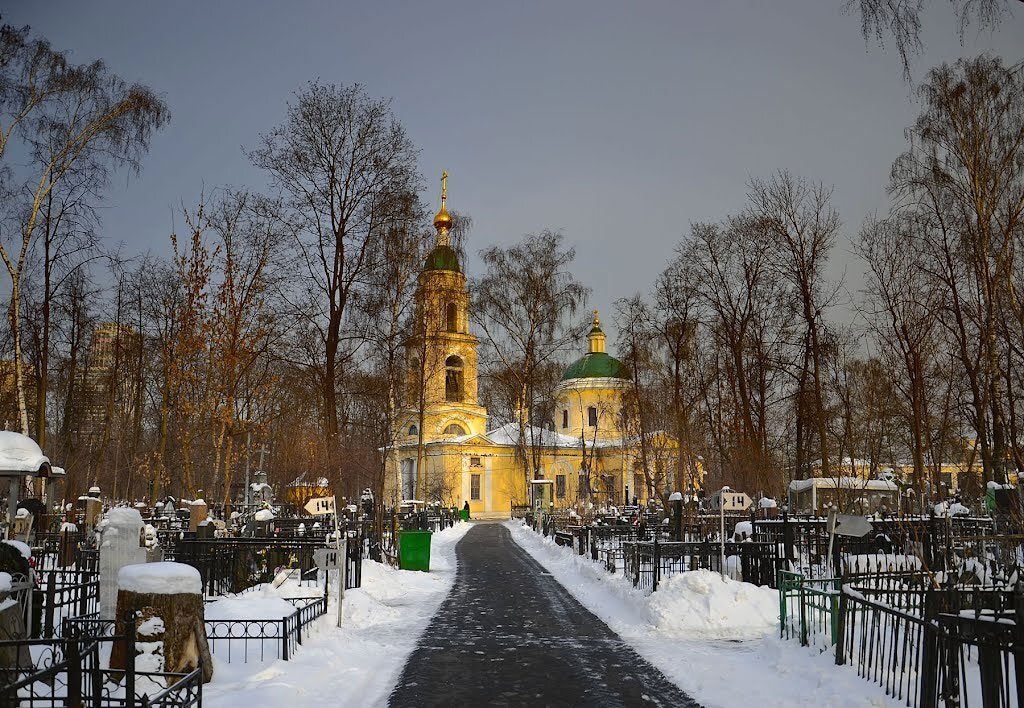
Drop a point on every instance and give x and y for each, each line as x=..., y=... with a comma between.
x=414, y=550
x=464, y=514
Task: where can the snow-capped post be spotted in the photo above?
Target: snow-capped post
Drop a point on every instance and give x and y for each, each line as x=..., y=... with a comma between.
x=121, y=544
x=197, y=513
x=164, y=602
x=721, y=529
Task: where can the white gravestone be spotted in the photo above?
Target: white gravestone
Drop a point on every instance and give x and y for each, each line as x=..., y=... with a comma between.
x=121, y=544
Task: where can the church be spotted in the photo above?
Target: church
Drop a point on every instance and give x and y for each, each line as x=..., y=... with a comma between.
x=446, y=453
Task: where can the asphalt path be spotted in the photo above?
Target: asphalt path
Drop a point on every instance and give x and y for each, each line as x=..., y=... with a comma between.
x=509, y=634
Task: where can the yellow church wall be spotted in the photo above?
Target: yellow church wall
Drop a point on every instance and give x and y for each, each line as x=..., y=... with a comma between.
x=573, y=399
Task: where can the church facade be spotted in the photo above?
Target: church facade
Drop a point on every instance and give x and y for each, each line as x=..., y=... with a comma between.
x=447, y=453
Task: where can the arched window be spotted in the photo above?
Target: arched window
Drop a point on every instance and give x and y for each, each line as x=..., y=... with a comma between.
x=454, y=429
x=413, y=430
x=452, y=317
x=592, y=416
x=453, y=383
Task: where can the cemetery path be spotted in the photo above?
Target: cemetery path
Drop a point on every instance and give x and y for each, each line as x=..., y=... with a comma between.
x=509, y=634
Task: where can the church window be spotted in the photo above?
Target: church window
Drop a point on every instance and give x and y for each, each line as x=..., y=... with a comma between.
x=453, y=380
x=413, y=430
x=474, y=462
x=565, y=419
x=474, y=487
x=454, y=429
x=452, y=317
x=408, y=479
x=560, y=486
x=592, y=417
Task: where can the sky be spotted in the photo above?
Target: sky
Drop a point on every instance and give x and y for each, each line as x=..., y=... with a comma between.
x=617, y=123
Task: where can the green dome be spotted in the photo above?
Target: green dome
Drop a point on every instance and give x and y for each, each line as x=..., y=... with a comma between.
x=595, y=365
x=442, y=258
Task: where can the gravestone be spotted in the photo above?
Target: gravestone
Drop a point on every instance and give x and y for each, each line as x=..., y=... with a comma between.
x=121, y=544
x=197, y=513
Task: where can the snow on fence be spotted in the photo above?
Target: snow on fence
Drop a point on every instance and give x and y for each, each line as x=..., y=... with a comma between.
x=258, y=640
x=924, y=645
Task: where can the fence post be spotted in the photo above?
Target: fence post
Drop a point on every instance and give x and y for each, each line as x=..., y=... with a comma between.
x=839, y=625
x=657, y=562
x=129, y=674
x=74, y=659
x=803, y=614
x=787, y=539
x=51, y=592
x=284, y=638
x=1018, y=644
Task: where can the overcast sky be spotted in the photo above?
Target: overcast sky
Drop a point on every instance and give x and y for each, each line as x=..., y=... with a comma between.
x=619, y=123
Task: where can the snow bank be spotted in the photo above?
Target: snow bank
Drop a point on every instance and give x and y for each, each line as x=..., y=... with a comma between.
x=719, y=661
x=248, y=606
x=700, y=604
x=358, y=664
x=164, y=578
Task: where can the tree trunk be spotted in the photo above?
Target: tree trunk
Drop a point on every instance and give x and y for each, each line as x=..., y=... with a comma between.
x=184, y=636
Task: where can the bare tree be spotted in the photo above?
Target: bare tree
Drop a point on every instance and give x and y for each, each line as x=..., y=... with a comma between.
x=345, y=167
x=901, y=21
x=63, y=115
x=801, y=226
x=524, y=306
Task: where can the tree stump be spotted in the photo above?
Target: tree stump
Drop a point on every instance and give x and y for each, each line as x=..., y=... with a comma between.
x=173, y=593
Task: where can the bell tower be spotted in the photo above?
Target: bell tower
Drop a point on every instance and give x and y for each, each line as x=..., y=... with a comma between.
x=441, y=355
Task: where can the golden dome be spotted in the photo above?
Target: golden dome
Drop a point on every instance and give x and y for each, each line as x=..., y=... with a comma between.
x=443, y=220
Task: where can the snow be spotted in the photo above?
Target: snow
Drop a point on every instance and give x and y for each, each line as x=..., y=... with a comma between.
x=766, y=503
x=357, y=664
x=151, y=627
x=20, y=453
x=248, y=606
x=68, y=527
x=264, y=515
x=5, y=582
x=198, y=502
x=701, y=604
x=123, y=517
x=727, y=654
x=23, y=548
x=163, y=578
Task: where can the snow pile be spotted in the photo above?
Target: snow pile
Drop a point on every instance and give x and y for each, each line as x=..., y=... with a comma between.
x=767, y=503
x=20, y=453
x=5, y=582
x=700, y=604
x=164, y=578
x=264, y=515
x=358, y=664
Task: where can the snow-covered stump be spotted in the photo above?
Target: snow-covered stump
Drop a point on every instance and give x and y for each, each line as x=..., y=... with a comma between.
x=121, y=544
x=166, y=601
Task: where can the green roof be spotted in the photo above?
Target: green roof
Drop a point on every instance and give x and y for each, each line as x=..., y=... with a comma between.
x=594, y=365
x=442, y=258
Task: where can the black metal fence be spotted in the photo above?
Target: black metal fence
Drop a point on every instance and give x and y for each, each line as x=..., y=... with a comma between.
x=258, y=640
x=232, y=565
x=69, y=671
